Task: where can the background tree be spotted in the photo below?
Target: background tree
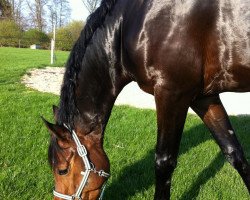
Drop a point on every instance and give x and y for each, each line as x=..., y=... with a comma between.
x=18, y=7
x=37, y=13
x=13, y=9
x=5, y=9
x=59, y=13
x=91, y=5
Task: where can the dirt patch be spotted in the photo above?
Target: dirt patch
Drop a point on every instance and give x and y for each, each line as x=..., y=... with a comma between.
x=48, y=79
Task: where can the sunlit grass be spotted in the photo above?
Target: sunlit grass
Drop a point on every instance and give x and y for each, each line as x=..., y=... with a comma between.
x=202, y=172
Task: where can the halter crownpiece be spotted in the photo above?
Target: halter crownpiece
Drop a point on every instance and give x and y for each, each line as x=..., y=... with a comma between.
x=89, y=167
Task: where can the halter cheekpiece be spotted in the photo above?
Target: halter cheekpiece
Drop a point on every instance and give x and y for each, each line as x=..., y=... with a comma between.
x=89, y=167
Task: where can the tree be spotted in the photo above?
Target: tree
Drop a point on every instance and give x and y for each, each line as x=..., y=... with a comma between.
x=63, y=12
x=13, y=9
x=59, y=13
x=17, y=12
x=91, y=5
x=5, y=9
x=37, y=13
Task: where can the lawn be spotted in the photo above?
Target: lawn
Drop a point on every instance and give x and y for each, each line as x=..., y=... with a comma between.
x=202, y=172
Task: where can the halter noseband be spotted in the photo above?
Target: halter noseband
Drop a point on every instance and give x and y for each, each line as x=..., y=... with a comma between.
x=89, y=167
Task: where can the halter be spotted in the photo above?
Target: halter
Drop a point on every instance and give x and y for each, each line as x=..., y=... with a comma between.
x=89, y=167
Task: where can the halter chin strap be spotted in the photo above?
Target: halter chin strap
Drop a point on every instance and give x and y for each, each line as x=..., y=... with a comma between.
x=89, y=167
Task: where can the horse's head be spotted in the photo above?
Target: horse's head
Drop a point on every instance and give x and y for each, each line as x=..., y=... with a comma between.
x=79, y=163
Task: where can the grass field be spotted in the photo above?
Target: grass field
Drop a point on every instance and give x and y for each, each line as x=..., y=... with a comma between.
x=202, y=172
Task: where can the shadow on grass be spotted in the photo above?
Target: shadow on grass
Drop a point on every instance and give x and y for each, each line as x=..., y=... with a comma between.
x=139, y=177
x=133, y=179
x=209, y=172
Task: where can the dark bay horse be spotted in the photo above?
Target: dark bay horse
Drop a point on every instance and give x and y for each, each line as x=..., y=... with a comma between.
x=184, y=52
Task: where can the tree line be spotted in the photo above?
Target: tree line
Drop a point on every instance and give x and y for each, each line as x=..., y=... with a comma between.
x=39, y=14
x=24, y=19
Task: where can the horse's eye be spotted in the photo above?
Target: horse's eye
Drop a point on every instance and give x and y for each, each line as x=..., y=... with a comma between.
x=63, y=172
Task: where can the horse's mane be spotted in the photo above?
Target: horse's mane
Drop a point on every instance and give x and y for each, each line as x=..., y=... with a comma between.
x=67, y=105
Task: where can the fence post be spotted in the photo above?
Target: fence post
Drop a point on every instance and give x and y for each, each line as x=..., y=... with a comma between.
x=53, y=44
x=52, y=58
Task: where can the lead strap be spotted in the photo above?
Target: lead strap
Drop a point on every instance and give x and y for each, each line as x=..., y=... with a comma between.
x=102, y=192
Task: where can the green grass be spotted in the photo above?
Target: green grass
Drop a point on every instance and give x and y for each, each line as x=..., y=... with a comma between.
x=202, y=172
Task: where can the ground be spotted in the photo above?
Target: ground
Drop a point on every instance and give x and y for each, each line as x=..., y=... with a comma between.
x=48, y=79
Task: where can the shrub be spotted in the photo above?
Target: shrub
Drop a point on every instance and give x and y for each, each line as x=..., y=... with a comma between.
x=10, y=33
x=64, y=39
x=75, y=27
x=34, y=36
x=67, y=36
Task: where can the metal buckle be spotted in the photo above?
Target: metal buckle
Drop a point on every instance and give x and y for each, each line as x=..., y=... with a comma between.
x=100, y=173
x=82, y=151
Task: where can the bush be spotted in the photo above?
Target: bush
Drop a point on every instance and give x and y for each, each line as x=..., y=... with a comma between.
x=75, y=27
x=10, y=33
x=67, y=36
x=34, y=36
x=64, y=39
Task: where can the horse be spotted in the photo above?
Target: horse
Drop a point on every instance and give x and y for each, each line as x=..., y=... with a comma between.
x=184, y=52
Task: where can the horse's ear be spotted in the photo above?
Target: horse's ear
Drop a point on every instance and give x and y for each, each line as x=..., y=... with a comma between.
x=55, y=111
x=59, y=131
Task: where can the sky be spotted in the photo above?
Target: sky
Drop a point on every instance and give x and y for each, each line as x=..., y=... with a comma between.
x=78, y=11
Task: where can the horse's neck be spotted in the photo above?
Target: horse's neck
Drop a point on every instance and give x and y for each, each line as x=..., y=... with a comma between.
x=102, y=77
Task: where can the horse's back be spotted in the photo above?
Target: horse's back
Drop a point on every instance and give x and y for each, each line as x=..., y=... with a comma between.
x=185, y=41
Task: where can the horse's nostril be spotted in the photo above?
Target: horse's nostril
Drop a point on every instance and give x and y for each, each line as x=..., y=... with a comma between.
x=63, y=172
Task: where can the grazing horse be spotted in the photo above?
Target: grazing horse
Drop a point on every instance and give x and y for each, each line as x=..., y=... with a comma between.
x=184, y=52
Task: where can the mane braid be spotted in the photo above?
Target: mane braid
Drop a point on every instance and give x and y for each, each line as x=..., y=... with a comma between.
x=67, y=106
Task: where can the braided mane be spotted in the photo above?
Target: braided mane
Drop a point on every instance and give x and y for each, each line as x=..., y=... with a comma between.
x=67, y=105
